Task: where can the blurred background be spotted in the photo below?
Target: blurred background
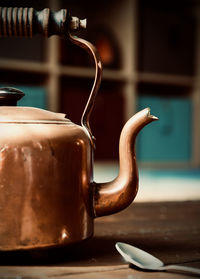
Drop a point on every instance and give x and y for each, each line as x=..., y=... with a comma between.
x=151, y=56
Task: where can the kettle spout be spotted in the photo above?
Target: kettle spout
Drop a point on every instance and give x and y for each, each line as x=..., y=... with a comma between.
x=116, y=195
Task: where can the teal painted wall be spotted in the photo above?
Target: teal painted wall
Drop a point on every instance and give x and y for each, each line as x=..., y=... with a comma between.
x=35, y=96
x=168, y=139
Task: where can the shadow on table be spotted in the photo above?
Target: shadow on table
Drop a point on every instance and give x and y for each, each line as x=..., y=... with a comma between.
x=96, y=251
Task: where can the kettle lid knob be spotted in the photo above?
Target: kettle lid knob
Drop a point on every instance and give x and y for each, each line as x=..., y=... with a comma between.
x=9, y=96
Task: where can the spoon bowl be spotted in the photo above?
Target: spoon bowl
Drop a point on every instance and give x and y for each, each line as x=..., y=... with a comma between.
x=146, y=261
x=138, y=257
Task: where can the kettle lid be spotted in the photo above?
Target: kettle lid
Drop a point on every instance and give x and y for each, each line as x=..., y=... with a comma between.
x=9, y=113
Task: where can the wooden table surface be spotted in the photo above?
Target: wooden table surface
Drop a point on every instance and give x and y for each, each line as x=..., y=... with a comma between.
x=169, y=230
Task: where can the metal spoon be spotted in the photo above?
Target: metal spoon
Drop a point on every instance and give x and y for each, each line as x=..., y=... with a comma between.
x=145, y=261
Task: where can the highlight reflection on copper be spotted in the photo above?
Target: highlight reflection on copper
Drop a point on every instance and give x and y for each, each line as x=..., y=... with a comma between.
x=64, y=234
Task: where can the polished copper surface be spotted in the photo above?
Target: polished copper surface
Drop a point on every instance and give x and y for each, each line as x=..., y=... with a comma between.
x=9, y=114
x=91, y=49
x=114, y=196
x=45, y=193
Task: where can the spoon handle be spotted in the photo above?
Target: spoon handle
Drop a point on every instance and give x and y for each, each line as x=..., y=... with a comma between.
x=181, y=268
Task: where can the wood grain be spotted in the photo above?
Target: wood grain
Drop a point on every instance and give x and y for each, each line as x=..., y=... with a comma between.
x=170, y=231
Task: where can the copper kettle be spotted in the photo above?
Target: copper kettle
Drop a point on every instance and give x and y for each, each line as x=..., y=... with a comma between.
x=47, y=193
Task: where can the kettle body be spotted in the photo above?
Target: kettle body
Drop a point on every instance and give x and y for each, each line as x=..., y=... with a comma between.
x=47, y=193
x=45, y=183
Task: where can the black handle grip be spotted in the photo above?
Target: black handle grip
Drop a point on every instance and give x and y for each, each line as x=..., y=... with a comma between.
x=26, y=22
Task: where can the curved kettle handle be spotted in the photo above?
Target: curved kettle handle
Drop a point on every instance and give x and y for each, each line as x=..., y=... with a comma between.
x=91, y=49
